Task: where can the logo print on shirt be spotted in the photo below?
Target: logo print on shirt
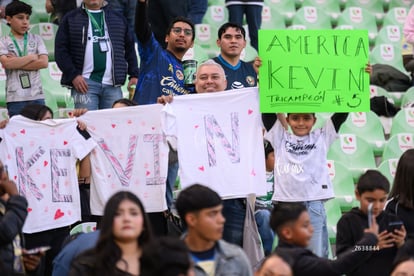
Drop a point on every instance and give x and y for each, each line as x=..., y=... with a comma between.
x=299, y=148
x=179, y=74
x=250, y=80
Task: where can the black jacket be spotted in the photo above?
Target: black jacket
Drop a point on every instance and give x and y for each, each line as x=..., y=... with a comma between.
x=11, y=224
x=350, y=229
x=306, y=263
x=70, y=45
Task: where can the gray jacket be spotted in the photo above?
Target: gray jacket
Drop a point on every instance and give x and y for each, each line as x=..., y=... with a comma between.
x=230, y=260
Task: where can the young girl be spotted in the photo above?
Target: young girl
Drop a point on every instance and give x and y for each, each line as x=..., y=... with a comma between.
x=125, y=229
x=401, y=197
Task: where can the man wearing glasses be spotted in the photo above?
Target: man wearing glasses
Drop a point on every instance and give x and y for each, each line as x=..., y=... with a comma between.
x=161, y=69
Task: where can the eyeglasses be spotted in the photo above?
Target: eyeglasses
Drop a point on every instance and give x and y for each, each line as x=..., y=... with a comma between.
x=178, y=30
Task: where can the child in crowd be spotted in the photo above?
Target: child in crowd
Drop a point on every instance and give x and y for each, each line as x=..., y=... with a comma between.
x=22, y=54
x=291, y=222
x=372, y=187
x=200, y=208
x=263, y=206
x=301, y=174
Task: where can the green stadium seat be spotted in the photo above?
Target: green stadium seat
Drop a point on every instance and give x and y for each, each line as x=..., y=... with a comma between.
x=2, y=87
x=47, y=32
x=4, y=29
x=51, y=85
x=390, y=34
x=196, y=53
x=272, y=19
x=375, y=91
x=85, y=227
x=353, y=151
x=249, y=53
x=328, y=6
x=388, y=168
x=397, y=145
x=285, y=7
x=403, y=121
x=368, y=126
x=373, y=6
x=358, y=19
x=387, y=54
x=216, y=2
x=333, y=214
x=312, y=18
x=206, y=37
x=216, y=15
x=39, y=13
x=395, y=16
x=389, y=4
x=407, y=99
x=321, y=118
x=343, y=185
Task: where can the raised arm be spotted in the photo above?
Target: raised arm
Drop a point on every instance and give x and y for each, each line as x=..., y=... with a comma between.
x=142, y=26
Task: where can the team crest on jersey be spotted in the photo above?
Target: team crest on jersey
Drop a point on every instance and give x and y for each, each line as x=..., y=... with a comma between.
x=179, y=74
x=250, y=80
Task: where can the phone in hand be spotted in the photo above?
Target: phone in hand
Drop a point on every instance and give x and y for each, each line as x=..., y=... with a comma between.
x=392, y=225
x=37, y=250
x=369, y=213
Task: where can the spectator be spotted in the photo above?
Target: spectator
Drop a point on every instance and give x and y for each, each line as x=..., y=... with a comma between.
x=372, y=187
x=22, y=54
x=290, y=221
x=401, y=197
x=125, y=230
x=200, y=209
x=3, y=4
x=166, y=256
x=231, y=41
x=253, y=11
x=14, y=260
x=94, y=48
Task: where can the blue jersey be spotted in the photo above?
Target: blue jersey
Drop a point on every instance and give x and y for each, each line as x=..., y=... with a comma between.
x=239, y=76
x=161, y=73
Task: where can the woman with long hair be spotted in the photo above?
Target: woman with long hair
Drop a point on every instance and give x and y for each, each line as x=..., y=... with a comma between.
x=401, y=201
x=125, y=229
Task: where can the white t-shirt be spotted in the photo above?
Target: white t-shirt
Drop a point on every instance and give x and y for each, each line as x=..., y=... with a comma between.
x=219, y=141
x=300, y=170
x=132, y=154
x=41, y=158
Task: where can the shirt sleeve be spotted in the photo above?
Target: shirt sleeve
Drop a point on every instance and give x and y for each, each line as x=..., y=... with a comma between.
x=41, y=47
x=275, y=134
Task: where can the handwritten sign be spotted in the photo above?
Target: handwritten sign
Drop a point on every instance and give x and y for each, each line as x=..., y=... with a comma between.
x=313, y=70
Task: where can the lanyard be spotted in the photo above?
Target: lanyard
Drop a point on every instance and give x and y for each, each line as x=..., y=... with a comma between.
x=17, y=45
x=95, y=24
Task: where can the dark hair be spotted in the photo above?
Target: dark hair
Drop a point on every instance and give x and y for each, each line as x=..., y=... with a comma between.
x=166, y=256
x=268, y=148
x=285, y=212
x=181, y=19
x=403, y=187
x=195, y=198
x=288, y=259
x=372, y=180
x=17, y=7
x=301, y=113
x=35, y=111
x=228, y=25
x=106, y=253
x=405, y=253
x=124, y=101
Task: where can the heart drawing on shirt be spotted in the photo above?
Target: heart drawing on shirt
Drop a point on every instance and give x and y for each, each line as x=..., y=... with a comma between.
x=45, y=163
x=58, y=214
x=29, y=210
x=201, y=168
x=249, y=111
x=65, y=143
x=113, y=125
x=196, y=126
x=147, y=173
x=23, y=131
